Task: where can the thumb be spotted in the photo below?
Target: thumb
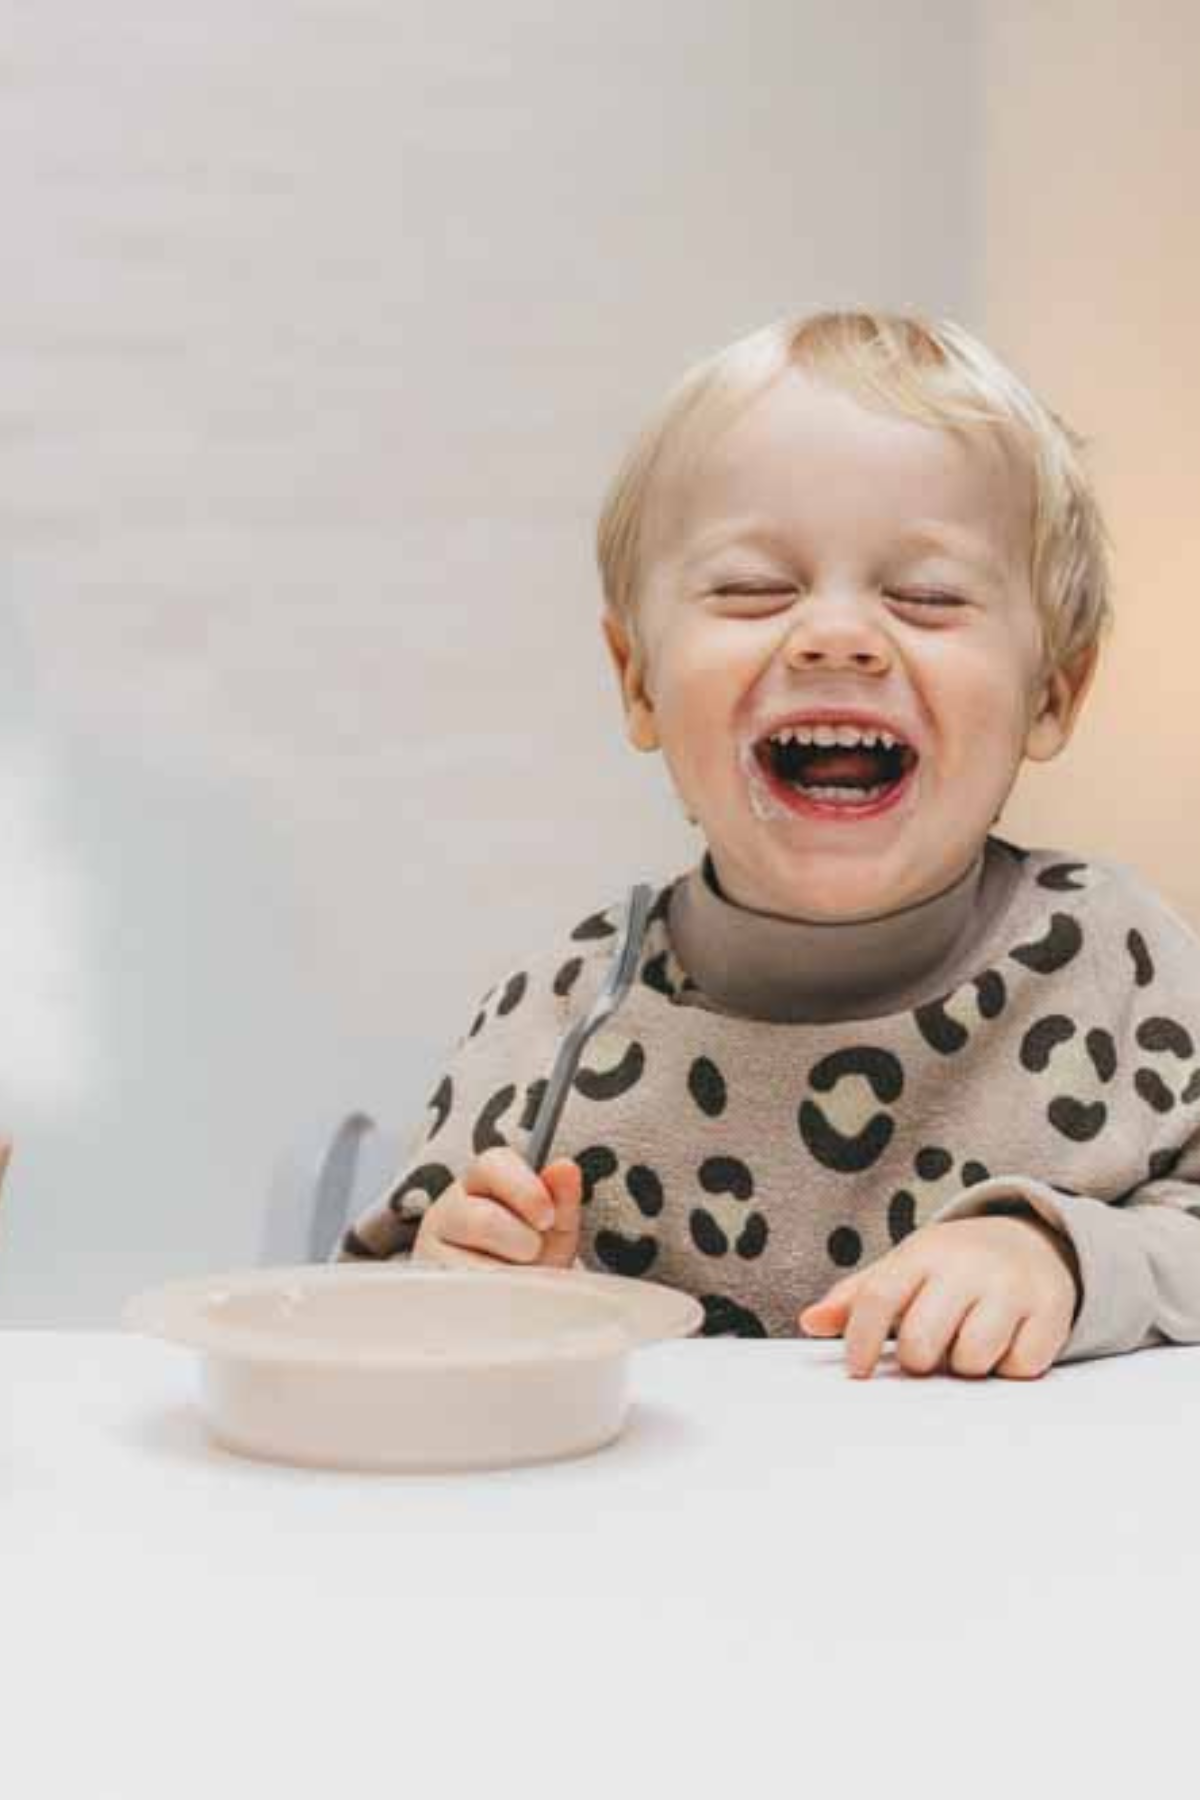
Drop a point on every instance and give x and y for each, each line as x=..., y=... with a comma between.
x=564, y=1178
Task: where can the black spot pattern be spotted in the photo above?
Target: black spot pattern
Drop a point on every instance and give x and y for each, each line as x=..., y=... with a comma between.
x=441, y=1102
x=624, y=1255
x=596, y=925
x=725, y=1318
x=707, y=1235
x=1103, y=1052
x=1043, y=1038
x=933, y=1162
x=662, y=905
x=654, y=975
x=831, y=1147
x=902, y=1214
x=992, y=993
x=835, y=1151
x=1075, y=1119
x=941, y=1032
x=753, y=1239
x=596, y=1164
x=1061, y=877
x=1154, y=1090
x=879, y=1067
x=1143, y=962
x=431, y=1178
x=610, y=1084
x=533, y=1100
x=1158, y=1033
x=706, y=1085
x=1164, y=1036
x=567, y=976
x=1061, y=945
x=514, y=992
x=486, y=1135
x=481, y=1015
x=646, y=1190
x=1079, y=1120
x=1163, y=1163
x=726, y=1175
x=844, y=1246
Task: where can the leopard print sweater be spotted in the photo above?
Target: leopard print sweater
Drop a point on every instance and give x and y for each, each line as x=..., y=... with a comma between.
x=753, y=1162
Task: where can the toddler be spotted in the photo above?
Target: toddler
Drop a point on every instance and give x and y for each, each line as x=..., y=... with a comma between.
x=882, y=1073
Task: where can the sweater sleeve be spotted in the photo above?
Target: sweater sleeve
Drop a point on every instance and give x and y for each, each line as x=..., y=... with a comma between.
x=487, y=1094
x=1138, y=1259
x=1137, y=1251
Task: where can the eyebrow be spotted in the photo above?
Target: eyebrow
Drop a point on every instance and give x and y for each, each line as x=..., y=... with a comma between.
x=925, y=534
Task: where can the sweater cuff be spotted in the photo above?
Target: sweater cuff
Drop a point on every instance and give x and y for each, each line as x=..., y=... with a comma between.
x=1117, y=1298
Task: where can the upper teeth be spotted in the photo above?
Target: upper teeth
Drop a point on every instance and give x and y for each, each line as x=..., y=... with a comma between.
x=833, y=734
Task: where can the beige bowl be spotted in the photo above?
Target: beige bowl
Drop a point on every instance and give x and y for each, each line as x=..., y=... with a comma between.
x=396, y=1366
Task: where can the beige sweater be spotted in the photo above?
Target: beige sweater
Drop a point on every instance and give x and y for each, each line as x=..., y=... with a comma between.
x=779, y=1101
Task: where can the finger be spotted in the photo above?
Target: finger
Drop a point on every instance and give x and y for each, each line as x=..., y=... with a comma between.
x=1036, y=1342
x=829, y=1314
x=501, y=1174
x=874, y=1312
x=430, y=1249
x=473, y=1222
x=984, y=1336
x=930, y=1323
x=561, y=1243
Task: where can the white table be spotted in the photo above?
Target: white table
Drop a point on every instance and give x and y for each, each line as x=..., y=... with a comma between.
x=778, y=1577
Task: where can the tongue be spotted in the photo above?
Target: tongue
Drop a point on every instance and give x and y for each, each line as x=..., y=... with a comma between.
x=853, y=768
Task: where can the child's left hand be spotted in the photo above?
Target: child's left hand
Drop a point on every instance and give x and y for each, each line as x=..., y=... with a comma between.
x=993, y=1292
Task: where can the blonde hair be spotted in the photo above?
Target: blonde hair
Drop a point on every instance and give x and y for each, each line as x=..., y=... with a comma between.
x=933, y=372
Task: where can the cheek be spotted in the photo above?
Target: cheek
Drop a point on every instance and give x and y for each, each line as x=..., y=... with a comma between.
x=701, y=677
x=979, y=699
x=699, y=700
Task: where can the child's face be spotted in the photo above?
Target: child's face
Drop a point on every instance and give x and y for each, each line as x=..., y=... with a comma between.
x=813, y=504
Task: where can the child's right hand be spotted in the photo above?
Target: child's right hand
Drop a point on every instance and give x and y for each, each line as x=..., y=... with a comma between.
x=501, y=1212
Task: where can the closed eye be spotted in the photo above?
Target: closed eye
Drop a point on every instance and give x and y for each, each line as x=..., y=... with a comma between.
x=927, y=599
x=744, y=587
x=930, y=599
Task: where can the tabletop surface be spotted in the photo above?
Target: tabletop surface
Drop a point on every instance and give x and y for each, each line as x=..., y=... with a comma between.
x=776, y=1571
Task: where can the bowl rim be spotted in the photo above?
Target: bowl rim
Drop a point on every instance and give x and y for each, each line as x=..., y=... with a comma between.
x=178, y=1311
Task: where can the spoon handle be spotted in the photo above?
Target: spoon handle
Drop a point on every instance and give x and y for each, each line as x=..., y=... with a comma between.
x=617, y=983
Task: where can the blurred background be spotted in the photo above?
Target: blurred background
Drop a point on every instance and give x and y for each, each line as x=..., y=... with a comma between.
x=323, y=326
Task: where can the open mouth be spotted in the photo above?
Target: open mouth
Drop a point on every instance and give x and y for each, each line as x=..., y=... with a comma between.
x=824, y=779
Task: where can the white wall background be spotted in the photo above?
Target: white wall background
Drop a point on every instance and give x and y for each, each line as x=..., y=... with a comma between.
x=321, y=328
x=1092, y=286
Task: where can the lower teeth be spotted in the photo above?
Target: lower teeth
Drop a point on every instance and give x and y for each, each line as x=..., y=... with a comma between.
x=849, y=796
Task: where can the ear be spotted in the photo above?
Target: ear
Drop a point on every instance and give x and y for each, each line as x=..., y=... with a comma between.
x=1058, y=705
x=627, y=660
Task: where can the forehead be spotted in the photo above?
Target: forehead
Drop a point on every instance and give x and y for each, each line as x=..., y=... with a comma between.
x=805, y=457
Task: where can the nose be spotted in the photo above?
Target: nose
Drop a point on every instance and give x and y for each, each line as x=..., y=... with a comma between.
x=835, y=635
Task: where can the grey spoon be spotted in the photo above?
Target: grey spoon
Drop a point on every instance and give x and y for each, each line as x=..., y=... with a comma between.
x=617, y=982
